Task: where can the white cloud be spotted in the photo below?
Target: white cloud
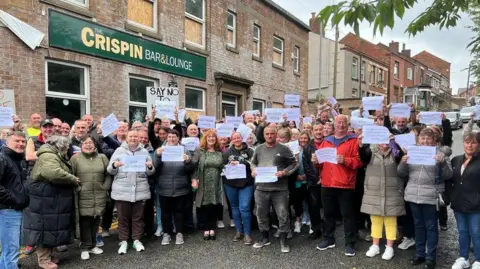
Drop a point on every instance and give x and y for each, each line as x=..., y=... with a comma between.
x=449, y=45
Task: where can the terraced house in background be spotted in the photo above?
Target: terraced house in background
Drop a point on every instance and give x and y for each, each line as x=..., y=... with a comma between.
x=97, y=57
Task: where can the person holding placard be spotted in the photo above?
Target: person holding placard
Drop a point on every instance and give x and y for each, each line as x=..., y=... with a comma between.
x=383, y=194
x=273, y=154
x=422, y=194
x=172, y=185
x=400, y=126
x=130, y=200
x=338, y=185
x=239, y=191
x=207, y=181
x=298, y=193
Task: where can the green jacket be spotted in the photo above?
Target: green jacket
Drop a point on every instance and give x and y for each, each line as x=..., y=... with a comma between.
x=92, y=195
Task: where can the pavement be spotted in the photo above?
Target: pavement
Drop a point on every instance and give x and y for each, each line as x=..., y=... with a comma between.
x=223, y=253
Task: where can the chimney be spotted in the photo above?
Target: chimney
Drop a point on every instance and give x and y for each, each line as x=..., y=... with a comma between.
x=394, y=46
x=405, y=51
x=315, y=23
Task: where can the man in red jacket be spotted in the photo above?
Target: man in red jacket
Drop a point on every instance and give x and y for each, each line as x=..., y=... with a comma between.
x=338, y=185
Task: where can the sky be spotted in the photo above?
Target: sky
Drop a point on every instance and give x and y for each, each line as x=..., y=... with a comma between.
x=449, y=45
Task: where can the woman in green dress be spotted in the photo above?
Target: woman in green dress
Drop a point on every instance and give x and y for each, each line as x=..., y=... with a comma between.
x=208, y=181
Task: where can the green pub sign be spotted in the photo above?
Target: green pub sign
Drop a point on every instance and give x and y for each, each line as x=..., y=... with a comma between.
x=71, y=33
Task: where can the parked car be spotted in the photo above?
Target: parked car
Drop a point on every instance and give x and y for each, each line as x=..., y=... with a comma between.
x=455, y=120
x=466, y=112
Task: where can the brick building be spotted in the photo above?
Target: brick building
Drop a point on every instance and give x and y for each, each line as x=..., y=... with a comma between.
x=99, y=57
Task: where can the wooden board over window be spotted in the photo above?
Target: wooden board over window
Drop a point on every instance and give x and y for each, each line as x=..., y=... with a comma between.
x=141, y=12
x=193, y=31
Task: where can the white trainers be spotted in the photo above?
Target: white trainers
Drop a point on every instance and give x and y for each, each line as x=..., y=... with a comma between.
x=105, y=234
x=166, y=239
x=158, y=232
x=310, y=231
x=461, y=263
x=298, y=227
x=388, y=254
x=96, y=251
x=220, y=224
x=123, y=248
x=232, y=224
x=373, y=251
x=85, y=255
x=138, y=245
x=407, y=243
x=179, y=239
x=476, y=265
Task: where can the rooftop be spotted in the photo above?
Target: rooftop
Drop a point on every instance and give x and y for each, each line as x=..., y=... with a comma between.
x=287, y=14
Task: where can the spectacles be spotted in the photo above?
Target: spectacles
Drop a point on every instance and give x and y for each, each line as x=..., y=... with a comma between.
x=17, y=121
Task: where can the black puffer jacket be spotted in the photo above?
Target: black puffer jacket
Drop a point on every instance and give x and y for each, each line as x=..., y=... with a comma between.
x=308, y=167
x=243, y=156
x=463, y=189
x=13, y=193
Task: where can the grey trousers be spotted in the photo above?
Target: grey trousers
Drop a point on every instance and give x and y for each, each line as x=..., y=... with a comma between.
x=280, y=202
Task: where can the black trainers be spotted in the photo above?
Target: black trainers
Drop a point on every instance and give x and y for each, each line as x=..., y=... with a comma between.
x=283, y=243
x=264, y=242
x=325, y=244
x=417, y=261
x=430, y=264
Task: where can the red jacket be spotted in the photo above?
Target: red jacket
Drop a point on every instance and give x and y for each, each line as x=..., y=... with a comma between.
x=341, y=176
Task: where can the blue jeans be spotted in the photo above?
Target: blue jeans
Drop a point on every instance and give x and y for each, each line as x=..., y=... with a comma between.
x=468, y=225
x=159, y=213
x=10, y=232
x=240, y=201
x=425, y=218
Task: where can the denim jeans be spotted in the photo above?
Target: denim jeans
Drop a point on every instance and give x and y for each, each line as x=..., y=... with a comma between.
x=241, y=200
x=10, y=232
x=159, y=212
x=425, y=218
x=468, y=225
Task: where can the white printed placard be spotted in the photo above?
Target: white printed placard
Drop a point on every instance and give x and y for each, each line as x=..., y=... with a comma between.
x=236, y=121
x=162, y=94
x=245, y=131
x=374, y=134
x=134, y=163
x=206, y=122
x=332, y=100
x=430, y=118
x=181, y=115
x=373, y=102
x=307, y=119
x=292, y=100
x=274, y=114
x=235, y=171
x=191, y=143
x=358, y=123
x=224, y=129
x=173, y=153
x=293, y=114
x=165, y=109
x=266, y=174
x=400, y=110
x=356, y=113
x=477, y=112
x=6, y=116
x=405, y=140
x=424, y=155
x=109, y=125
x=327, y=155
x=293, y=146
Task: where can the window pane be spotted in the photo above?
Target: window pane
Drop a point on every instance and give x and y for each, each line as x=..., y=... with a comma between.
x=81, y=2
x=229, y=98
x=194, y=99
x=141, y=11
x=230, y=36
x=138, y=89
x=68, y=110
x=277, y=43
x=256, y=32
x=258, y=105
x=230, y=19
x=277, y=58
x=255, y=47
x=194, y=7
x=295, y=64
x=66, y=79
x=136, y=113
x=193, y=31
x=228, y=110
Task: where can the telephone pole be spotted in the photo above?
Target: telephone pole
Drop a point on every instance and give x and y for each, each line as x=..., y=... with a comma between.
x=335, y=65
x=320, y=63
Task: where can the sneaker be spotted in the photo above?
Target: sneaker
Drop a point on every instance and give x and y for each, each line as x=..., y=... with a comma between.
x=406, y=243
x=105, y=233
x=476, y=265
x=96, y=251
x=274, y=226
x=48, y=265
x=368, y=238
x=220, y=224
x=232, y=224
x=309, y=223
x=85, y=255
x=289, y=234
x=284, y=247
x=325, y=244
x=158, y=232
x=298, y=227
x=444, y=228
x=179, y=239
x=138, y=245
x=238, y=236
x=29, y=250
x=100, y=242
x=277, y=234
x=388, y=254
x=461, y=263
x=373, y=251
x=61, y=248
x=166, y=239
x=123, y=247
x=248, y=240
x=265, y=242
x=349, y=251
x=310, y=231
x=430, y=264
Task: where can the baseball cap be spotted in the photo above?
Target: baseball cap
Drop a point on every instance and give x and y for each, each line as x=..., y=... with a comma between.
x=45, y=122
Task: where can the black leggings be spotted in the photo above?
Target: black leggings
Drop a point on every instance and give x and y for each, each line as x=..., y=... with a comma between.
x=297, y=196
x=210, y=214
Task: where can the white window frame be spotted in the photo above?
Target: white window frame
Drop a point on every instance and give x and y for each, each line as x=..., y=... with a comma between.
x=296, y=59
x=230, y=102
x=140, y=104
x=202, y=21
x=409, y=73
x=203, y=98
x=278, y=50
x=232, y=28
x=257, y=39
x=86, y=85
x=155, y=18
x=262, y=102
x=380, y=74
x=396, y=67
x=362, y=71
x=86, y=5
x=354, y=92
x=355, y=67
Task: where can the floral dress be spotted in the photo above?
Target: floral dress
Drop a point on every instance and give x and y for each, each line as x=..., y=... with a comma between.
x=212, y=180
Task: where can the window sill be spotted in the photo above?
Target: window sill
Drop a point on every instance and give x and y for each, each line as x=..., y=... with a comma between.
x=355, y=79
x=145, y=32
x=278, y=66
x=71, y=7
x=296, y=73
x=396, y=78
x=231, y=49
x=256, y=58
x=195, y=49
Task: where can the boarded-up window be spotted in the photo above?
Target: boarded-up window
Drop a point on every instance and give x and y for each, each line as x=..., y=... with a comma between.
x=277, y=51
x=256, y=40
x=143, y=13
x=195, y=22
x=231, y=29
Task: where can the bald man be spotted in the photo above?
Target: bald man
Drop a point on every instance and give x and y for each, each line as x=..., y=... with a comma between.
x=34, y=125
